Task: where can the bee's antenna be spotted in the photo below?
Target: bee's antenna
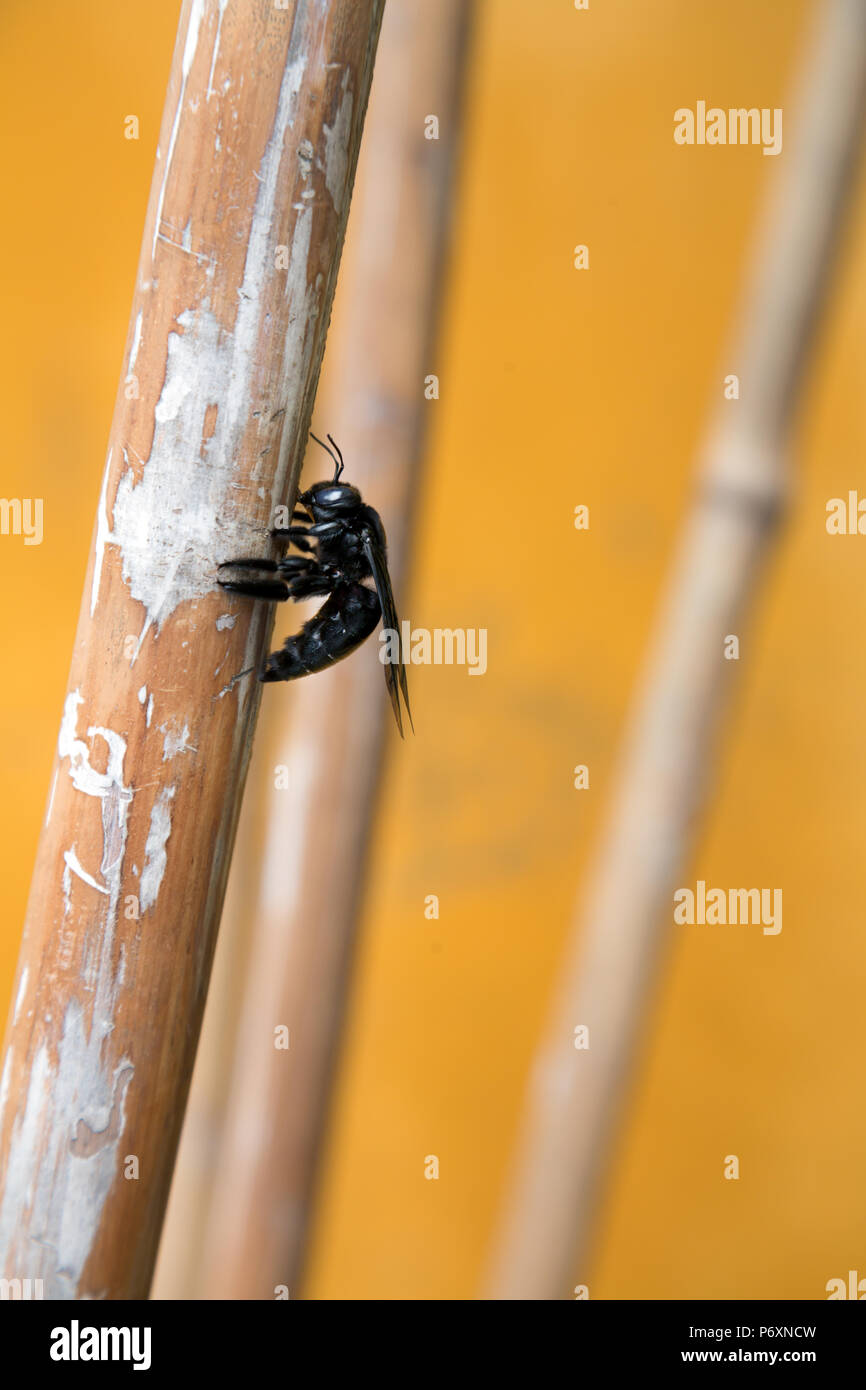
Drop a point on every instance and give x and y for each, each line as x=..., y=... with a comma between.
x=339, y=454
x=336, y=456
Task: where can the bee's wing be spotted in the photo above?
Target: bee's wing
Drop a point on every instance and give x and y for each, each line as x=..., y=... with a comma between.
x=395, y=673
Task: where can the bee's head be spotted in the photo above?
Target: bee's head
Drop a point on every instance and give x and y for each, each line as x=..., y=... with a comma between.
x=327, y=501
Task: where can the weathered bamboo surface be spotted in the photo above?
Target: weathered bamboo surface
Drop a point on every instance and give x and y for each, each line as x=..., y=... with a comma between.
x=575, y=1096
x=247, y=213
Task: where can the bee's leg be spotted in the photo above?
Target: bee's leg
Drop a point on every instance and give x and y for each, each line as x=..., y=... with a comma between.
x=303, y=578
x=306, y=576
x=298, y=535
x=275, y=589
x=309, y=585
x=250, y=562
x=272, y=589
x=297, y=564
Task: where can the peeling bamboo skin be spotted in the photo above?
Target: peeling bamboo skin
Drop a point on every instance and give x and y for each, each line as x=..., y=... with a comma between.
x=257, y=152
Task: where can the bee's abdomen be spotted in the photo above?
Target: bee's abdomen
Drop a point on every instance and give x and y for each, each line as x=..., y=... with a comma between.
x=343, y=622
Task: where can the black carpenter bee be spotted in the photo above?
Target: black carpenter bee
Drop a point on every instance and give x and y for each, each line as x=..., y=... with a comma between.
x=342, y=544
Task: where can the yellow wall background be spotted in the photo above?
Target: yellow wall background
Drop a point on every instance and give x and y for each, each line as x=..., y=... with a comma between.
x=557, y=387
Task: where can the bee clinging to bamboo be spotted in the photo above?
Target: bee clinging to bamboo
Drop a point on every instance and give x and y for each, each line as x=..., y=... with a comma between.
x=341, y=544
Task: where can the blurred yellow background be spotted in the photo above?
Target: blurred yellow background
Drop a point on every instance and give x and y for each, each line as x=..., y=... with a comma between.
x=558, y=387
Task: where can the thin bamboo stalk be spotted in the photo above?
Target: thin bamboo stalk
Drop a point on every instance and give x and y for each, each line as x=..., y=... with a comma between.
x=574, y=1096
x=329, y=730
x=242, y=238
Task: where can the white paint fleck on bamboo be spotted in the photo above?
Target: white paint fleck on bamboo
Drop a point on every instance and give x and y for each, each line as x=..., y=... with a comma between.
x=155, y=852
x=72, y=862
x=20, y=993
x=63, y=1158
x=195, y=17
x=103, y=536
x=175, y=740
x=84, y=777
x=337, y=147
x=4, y=1081
x=136, y=343
x=63, y=1149
x=216, y=49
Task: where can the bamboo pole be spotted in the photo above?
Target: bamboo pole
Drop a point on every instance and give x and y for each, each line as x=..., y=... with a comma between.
x=242, y=238
x=575, y=1097
x=330, y=730
x=177, y=1274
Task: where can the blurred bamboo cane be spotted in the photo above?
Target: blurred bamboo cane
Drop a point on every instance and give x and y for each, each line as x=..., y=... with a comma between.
x=575, y=1096
x=328, y=731
x=264, y=113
